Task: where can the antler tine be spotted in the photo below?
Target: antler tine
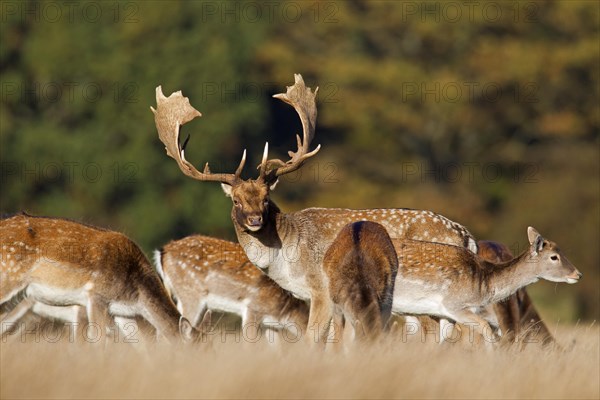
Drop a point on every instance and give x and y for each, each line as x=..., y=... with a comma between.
x=304, y=102
x=238, y=171
x=263, y=164
x=170, y=114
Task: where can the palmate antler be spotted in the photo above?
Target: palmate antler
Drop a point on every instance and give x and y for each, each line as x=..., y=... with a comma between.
x=174, y=111
x=304, y=102
x=170, y=114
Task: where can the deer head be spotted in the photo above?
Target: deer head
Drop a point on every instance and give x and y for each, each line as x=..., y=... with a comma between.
x=552, y=265
x=250, y=197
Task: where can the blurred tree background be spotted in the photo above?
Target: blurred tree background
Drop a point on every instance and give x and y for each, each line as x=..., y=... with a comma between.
x=486, y=112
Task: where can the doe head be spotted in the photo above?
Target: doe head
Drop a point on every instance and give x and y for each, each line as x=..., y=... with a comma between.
x=552, y=264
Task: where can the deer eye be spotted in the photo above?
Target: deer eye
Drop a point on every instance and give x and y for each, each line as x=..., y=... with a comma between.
x=554, y=258
x=236, y=202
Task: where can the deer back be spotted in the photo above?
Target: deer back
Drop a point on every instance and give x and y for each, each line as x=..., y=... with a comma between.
x=67, y=254
x=198, y=266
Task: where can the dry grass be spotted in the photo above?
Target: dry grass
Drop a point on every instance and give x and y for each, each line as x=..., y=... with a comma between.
x=391, y=369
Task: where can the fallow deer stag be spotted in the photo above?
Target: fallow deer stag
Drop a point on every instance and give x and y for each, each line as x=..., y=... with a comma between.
x=361, y=265
x=449, y=281
x=289, y=247
x=203, y=273
x=56, y=262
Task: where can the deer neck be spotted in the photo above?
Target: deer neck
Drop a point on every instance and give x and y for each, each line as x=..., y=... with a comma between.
x=156, y=305
x=510, y=276
x=279, y=249
x=264, y=246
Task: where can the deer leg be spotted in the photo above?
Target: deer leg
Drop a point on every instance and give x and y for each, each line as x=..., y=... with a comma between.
x=10, y=298
x=147, y=330
x=508, y=318
x=479, y=324
x=446, y=328
x=131, y=329
x=73, y=317
x=199, y=316
x=10, y=319
x=393, y=326
x=533, y=329
x=374, y=320
x=360, y=332
x=366, y=321
x=321, y=313
x=81, y=323
x=99, y=319
x=336, y=330
x=250, y=326
x=430, y=326
x=515, y=316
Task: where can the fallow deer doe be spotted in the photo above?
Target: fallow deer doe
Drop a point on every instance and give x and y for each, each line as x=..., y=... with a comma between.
x=449, y=281
x=56, y=262
x=203, y=273
x=361, y=265
x=290, y=247
x=517, y=317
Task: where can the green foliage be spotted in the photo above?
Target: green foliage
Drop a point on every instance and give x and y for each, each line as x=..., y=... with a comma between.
x=491, y=119
x=79, y=140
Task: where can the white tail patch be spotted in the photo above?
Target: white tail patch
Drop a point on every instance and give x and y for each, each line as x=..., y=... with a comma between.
x=472, y=246
x=158, y=266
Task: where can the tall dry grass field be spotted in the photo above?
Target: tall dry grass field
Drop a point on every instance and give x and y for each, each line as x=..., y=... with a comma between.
x=393, y=368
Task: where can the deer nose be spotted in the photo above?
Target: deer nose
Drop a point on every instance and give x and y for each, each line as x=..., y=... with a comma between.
x=575, y=275
x=255, y=220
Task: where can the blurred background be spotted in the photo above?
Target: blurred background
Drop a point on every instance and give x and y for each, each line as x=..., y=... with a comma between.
x=486, y=112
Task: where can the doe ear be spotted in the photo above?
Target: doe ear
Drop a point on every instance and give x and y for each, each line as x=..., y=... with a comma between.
x=274, y=184
x=227, y=189
x=535, y=240
x=186, y=330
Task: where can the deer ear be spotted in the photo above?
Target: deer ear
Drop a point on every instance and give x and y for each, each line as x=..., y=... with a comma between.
x=274, y=184
x=535, y=240
x=186, y=330
x=532, y=234
x=227, y=189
